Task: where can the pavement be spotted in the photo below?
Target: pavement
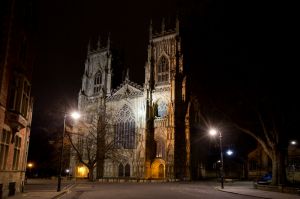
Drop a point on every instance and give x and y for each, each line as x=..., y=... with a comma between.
x=46, y=189
x=247, y=188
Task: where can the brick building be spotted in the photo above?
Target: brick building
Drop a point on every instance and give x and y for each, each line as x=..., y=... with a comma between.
x=16, y=60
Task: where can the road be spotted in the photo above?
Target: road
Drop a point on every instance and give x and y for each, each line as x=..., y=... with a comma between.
x=148, y=190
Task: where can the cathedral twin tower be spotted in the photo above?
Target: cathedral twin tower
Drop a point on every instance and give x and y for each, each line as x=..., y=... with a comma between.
x=148, y=124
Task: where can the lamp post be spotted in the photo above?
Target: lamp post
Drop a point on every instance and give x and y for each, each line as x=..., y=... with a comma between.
x=75, y=116
x=214, y=132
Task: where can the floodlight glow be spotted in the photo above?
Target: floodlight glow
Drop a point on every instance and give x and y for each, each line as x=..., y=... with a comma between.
x=75, y=115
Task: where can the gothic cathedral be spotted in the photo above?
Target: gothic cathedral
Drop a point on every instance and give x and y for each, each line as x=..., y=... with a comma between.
x=149, y=124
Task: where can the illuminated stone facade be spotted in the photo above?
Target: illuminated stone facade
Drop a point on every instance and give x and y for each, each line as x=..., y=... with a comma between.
x=149, y=123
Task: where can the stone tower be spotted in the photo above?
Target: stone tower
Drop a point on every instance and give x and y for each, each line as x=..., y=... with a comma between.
x=167, y=129
x=96, y=80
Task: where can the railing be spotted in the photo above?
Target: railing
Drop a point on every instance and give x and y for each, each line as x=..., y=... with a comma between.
x=160, y=122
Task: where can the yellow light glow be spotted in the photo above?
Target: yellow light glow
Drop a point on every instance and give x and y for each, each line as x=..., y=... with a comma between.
x=82, y=172
x=30, y=165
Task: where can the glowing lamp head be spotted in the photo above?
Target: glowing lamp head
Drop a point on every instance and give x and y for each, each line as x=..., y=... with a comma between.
x=293, y=142
x=212, y=132
x=229, y=152
x=30, y=165
x=75, y=115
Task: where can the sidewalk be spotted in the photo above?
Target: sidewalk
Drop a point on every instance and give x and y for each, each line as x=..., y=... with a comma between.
x=247, y=188
x=44, y=189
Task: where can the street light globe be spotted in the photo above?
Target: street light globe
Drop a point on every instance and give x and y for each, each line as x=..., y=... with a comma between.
x=75, y=115
x=293, y=142
x=229, y=152
x=213, y=132
x=30, y=165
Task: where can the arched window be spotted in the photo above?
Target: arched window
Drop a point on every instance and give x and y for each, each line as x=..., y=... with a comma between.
x=162, y=109
x=97, y=82
x=163, y=70
x=127, y=170
x=125, y=129
x=121, y=170
x=160, y=149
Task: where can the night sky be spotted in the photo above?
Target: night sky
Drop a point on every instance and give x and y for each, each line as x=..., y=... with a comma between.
x=233, y=46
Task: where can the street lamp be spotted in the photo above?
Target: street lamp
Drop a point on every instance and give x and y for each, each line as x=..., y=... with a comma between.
x=30, y=165
x=214, y=132
x=74, y=115
x=229, y=152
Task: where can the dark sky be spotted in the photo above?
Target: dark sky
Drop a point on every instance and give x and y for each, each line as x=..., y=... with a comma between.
x=64, y=29
x=233, y=45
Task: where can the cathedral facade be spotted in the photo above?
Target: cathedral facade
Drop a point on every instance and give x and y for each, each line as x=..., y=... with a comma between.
x=149, y=123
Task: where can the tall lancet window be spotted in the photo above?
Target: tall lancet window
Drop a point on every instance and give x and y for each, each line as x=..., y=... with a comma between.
x=125, y=129
x=163, y=70
x=97, y=82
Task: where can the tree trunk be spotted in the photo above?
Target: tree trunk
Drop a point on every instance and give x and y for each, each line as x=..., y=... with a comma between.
x=91, y=173
x=275, y=168
x=100, y=168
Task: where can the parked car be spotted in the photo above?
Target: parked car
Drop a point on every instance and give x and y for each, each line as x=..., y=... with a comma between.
x=265, y=179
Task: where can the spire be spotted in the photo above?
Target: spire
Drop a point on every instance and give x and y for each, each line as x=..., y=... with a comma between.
x=163, y=26
x=177, y=24
x=99, y=43
x=150, y=30
x=108, y=41
x=127, y=75
x=89, y=46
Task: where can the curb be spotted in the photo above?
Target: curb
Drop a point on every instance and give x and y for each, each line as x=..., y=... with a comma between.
x=66, y=189
x=217, y=188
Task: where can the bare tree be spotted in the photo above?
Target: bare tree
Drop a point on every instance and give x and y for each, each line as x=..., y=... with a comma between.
x=84, y=143
x=264, y=122
x=95, y=143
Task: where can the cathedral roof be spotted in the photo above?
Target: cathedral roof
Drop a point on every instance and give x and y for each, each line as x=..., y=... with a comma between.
x=127, y=89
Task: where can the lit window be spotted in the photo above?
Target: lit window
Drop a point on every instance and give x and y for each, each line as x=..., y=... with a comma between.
x=160, y=149
x=4, y=145
x=125, y=129
x=163, y=70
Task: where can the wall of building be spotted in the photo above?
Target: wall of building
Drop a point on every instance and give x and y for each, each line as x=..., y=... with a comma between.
x=16, y=58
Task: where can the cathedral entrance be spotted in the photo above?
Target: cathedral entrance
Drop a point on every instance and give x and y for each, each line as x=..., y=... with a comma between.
x=158, y=168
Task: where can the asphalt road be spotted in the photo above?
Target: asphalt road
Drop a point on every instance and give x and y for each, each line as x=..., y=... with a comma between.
x=147, y=191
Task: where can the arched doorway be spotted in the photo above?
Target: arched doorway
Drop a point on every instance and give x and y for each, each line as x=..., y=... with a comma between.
x=158, y=168
x=127, y=170
x=121, y=170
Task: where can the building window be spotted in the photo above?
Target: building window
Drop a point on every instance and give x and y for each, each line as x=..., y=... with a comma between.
x=97, y=82
x=125, y=129
x=16, y=152
x=19, y=95
x=25, y=98
x=4, y=146
x=160, y=149
x=162, y=109
x=163, y=70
